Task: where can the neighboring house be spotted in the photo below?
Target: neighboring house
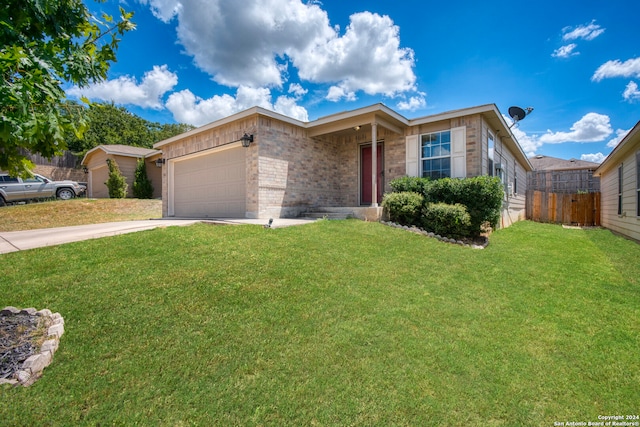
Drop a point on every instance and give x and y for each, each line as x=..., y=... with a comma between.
x=292, y=167
x=554, y=175
x=126, y=157
x=620, y=186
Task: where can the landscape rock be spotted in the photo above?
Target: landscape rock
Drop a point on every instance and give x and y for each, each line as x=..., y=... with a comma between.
x=56, y=330
x=9, y=311
x=31, y=369
x=37, y=362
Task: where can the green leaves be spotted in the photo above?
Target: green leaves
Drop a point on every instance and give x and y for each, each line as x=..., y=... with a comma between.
x=142, y=187
x=45, y=44
x=116, y=183
x=481, y=196
x=110, y=125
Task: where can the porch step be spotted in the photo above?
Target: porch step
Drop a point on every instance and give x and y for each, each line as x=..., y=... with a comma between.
x=319, y=214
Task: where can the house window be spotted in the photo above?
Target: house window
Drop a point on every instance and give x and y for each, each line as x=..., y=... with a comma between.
x=435, y=155
x=501, y=172
x=491, y=148
x=620, y=190
x=515, y=180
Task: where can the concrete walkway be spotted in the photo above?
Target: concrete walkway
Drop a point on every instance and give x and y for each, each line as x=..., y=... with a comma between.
x=12, y=241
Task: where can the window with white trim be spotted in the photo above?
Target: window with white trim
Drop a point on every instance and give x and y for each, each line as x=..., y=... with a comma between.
x=435, y=155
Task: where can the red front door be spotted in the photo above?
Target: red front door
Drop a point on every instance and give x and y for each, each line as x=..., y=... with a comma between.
x=365, y=174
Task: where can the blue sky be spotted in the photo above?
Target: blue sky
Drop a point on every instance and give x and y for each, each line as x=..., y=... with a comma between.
x=577, y=63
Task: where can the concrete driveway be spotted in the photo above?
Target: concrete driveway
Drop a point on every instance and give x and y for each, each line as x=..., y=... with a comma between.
x=12, y=241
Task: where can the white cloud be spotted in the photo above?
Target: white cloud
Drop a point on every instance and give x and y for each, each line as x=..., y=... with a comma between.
x=586, y=32
x=620, y=134
x=529, y=144
x=287, y=106
x=336, y=93
x=244, y=43
x=414, y=103
x=188, y=108
x=253, y=42
x=164, y=10
x=631, y=92
x=367, y=57
x=593, y=127
x=616, y=68
x=596, y=157
x=126, y=90
x=297, y=90
x=565, y=51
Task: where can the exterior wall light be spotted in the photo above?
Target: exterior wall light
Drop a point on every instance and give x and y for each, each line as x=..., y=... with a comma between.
x=85, y=170
x=246, y=140
x=160, y=162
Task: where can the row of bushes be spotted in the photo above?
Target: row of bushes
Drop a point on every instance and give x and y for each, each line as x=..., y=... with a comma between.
x=450, y=206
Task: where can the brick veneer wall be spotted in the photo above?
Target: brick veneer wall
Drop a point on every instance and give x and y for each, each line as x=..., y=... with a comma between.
x=295, y=172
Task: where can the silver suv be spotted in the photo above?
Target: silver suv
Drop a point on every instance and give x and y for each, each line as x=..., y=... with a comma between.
x=38, y=187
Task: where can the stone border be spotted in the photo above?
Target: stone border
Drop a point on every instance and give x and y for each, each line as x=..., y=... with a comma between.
x=32, y=367
x=436, y=236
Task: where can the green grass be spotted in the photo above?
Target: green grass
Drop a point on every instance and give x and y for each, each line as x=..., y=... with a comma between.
x=79, y=211
x=332, y=323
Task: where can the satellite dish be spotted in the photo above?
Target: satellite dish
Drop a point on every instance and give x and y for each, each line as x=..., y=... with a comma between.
x=518, y=114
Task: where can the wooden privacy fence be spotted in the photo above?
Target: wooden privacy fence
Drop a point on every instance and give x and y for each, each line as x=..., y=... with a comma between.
x=581, y=209
x=66, y=160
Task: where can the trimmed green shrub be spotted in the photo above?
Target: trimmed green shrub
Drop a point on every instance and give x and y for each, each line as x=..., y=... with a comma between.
x=446, y=220
x=116, y=183
x=404, y=207
x=409, y=184
x=142, y=188
x=482, y=196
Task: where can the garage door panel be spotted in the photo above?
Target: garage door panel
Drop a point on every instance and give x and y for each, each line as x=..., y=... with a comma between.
x=211, y=185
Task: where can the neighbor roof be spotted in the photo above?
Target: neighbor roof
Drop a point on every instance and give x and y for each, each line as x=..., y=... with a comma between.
x=548, y=163
x=123, y=150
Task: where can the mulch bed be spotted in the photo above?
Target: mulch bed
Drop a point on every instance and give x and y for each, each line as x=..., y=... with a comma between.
x=20, y=338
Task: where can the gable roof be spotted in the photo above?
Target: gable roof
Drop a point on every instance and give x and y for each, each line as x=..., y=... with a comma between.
x=548, y=163
x=122, y=150
x=630, y=142
x=364, y=116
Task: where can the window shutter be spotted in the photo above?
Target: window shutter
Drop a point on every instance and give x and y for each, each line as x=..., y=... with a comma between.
x=412, y=155
x=459, y=152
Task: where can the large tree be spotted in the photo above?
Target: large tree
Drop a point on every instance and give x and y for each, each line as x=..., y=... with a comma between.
x=45, y=44
x=111, y=124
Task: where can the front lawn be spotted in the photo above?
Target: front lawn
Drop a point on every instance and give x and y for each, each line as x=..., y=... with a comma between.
x=332, y=323
x=79, y=211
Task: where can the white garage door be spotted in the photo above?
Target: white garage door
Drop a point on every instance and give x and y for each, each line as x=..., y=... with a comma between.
x=211, y=185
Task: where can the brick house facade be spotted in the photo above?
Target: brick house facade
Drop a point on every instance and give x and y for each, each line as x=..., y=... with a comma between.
x=292, y=166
